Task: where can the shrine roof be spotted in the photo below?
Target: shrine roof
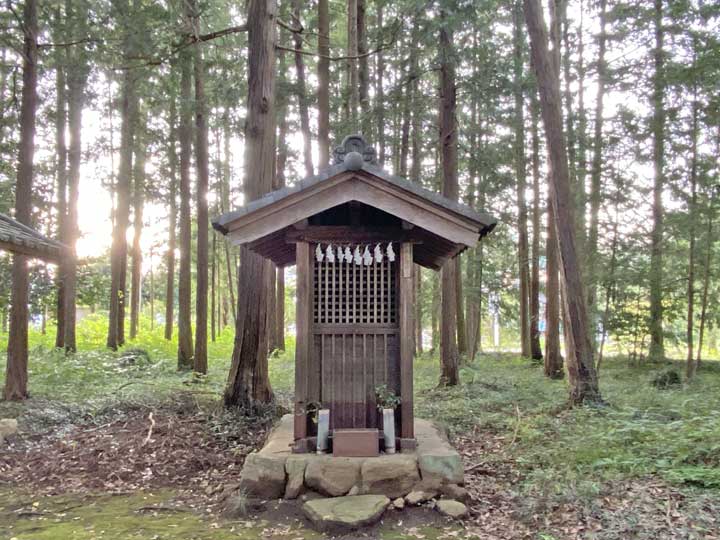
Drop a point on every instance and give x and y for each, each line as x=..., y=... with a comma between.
x=355, y=177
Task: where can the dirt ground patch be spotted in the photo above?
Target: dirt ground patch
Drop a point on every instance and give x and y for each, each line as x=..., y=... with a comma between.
x=197, y=452
x=176, y=445
x=504, y=507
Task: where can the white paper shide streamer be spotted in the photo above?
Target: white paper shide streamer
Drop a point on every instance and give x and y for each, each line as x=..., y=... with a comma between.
x=360, y=255
x=378, y=254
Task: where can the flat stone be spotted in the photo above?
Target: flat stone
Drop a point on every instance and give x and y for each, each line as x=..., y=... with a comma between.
x=451, y=508
x=263, y=476
x=8, y=426
x=333, y=476
x=345, y=513
x=295, y=470
x=451, y=491
x=439, y=462
x=416, y=497
x=399, y=503
x=280, y=439
x=393, y=476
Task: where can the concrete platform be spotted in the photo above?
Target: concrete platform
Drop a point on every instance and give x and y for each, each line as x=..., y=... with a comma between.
x=275, y=472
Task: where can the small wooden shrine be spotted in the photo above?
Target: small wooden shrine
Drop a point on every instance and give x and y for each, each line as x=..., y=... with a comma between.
x=354, y=232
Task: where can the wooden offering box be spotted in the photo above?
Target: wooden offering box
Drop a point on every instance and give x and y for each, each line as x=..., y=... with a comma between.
x=356, y=235
x=358, y=442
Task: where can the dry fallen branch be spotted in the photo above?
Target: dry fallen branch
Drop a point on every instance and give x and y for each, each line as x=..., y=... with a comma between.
x=517, y=426
x=152, y=425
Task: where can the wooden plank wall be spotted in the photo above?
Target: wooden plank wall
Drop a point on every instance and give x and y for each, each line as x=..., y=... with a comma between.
x=354, y=364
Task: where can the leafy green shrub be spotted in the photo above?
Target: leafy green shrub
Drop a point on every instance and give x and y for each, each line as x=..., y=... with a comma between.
x=135, y=357
x=668, y=378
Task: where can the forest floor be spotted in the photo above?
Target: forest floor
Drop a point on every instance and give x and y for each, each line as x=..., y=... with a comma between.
x=122, y=446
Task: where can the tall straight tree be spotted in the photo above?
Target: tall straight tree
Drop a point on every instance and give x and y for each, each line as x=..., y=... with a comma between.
x=185, y=339
x=581, y=367
x=553, y=362
x=597, y=167
x=323, y=90
x=119, y=249
x=520, y=175
x=248, y=382
x=352, y=89
x=203, y=178
x=690, y=365
x=380, y=89
x=449, y=373
x=77, y=13
x=60, y=58
x=138, y=203
x=363, y=69
x=535, y=350
x=657, y=126
x=16, y=370
x=172, y=218
x=302, y=95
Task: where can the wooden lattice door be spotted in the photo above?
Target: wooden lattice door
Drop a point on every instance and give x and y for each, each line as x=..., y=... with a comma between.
x=355, y=335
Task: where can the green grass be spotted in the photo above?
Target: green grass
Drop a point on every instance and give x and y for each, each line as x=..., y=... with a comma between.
x=674, y=433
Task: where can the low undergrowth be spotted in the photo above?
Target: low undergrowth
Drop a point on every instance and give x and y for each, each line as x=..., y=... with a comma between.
x=531, y=462
x=672, y=432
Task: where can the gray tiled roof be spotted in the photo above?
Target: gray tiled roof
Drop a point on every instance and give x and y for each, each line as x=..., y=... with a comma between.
x=20, y=238
x=485, y=221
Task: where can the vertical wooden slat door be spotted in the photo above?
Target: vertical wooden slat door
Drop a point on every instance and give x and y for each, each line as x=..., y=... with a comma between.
x=355, y=335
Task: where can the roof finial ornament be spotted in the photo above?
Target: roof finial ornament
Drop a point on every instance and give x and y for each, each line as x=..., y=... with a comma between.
x=354, y=144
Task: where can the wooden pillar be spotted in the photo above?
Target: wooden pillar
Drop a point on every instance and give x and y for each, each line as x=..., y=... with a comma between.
x=303, y=323
x=407, y=304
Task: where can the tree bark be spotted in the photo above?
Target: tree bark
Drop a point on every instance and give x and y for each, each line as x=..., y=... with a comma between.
x=581, y=368
x=276, y=323
x=692, y=211
x=172, y=222
x=323, y=91
x=225, y=206
x=248, y=382
x=119, y=249
x=535, y=349
x=449, y=374
x=520, y=174
x=200, y=361
x=610, y=283
x=302, y=94
x=553, y=358
x=16, y=370
x=657, y=348
x=61, y=169
x=352, y=91
x=415, y=168
x=363, y=71
x=597, y=170
x=185, y=339
x=706, y=277
x=77, y=82
x=380, y=91
x=138, y=210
